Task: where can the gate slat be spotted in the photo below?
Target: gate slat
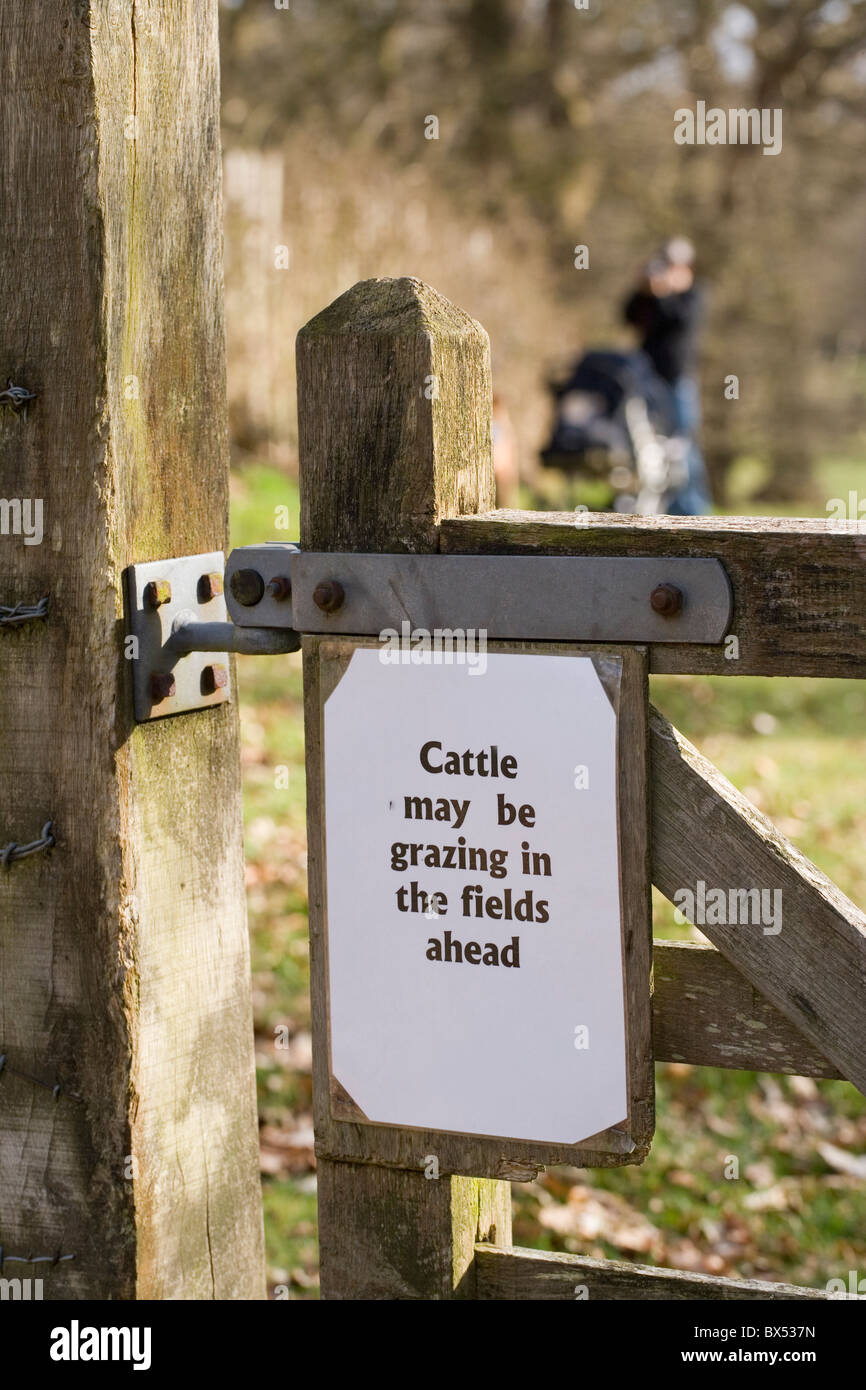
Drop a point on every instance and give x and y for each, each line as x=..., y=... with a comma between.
x=707, y=1013
x=814, y=968
x=506, y=1273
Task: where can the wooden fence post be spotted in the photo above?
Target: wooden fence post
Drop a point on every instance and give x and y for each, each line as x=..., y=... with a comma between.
x=394, y=405
x=123, y=951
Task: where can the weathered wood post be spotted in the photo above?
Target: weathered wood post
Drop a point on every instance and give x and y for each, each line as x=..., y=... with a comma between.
x=394, y=405
x=124, y=974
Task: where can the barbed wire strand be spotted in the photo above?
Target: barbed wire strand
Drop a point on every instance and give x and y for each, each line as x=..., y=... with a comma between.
x=52, y=1260
x=14, y=851
x=16, y=398
x=23, y=613
x=56, y=1089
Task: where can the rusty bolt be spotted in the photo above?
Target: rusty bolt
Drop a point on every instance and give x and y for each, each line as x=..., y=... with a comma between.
x=161, y=686
x=210, y=586
x=247, y=587
x=329, y=595
x=214, y=678
x=280, y=587
x=156, y=593
x=667, y=600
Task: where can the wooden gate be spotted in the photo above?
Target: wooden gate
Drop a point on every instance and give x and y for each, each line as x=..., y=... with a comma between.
x=394, y=415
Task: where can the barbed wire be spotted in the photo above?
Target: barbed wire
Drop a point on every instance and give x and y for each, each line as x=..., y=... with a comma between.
x=14, y=851
x=16, y=398
x=55, y=1088
x=23, y=613
x=32, y=1259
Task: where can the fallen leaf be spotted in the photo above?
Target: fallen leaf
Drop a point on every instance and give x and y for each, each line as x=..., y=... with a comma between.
x=854, y=1165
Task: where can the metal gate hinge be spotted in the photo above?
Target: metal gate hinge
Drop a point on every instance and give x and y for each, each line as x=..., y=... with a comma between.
x=176, y=614
x=178, y=610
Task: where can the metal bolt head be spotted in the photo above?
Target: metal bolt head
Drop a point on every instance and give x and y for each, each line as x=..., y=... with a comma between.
x=210, y=586
x=280, y=587
x=667, y=600
x=162, y=686
x=248, y=587
x=329, y=595
x=156, y=593
x=214, y=678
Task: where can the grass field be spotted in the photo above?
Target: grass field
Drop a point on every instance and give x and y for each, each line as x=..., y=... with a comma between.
x=797, y=1209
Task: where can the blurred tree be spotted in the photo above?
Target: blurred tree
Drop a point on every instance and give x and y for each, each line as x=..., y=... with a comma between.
x=571, y=112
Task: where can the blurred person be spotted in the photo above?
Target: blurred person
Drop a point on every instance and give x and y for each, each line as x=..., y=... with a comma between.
x=666, y=310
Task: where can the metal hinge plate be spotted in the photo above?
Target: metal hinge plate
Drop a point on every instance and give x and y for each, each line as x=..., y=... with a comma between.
x=158, y=594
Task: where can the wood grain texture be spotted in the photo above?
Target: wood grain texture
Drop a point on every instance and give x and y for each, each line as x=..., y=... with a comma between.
x=382, y=459
x=540, y=1274
x=633, y=794
x=799, y=586
x=392, y=1234
x=393, y=377
x=707, y=1013
x=519, y=1160
x=124, y=967
x=814, y=969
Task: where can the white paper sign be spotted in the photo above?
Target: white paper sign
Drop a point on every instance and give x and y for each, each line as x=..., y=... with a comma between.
x=475, y=957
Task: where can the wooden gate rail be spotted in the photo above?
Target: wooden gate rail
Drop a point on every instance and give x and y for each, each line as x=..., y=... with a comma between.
x=514, y=1273
x=799, y=585
x=707, y=1013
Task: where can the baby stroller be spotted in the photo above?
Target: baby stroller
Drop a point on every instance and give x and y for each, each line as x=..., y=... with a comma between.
x=615, y=421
